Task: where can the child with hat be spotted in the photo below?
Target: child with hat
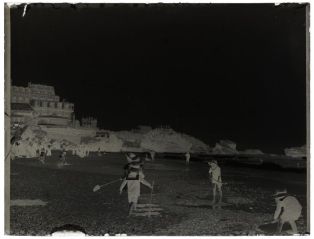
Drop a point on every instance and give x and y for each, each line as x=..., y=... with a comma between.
x=131, y=158
x=288, y=210
x=215, y=176
x=133, y=179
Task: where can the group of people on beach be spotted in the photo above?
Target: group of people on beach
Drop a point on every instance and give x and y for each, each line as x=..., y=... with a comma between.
x=43, y=153
x=134, y=177
x=288, y=208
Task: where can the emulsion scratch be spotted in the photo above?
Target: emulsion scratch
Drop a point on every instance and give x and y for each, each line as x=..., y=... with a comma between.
x=28, y=202
x=25, y=9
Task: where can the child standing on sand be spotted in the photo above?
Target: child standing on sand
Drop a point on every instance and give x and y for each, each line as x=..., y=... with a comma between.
x=134, y=178
x=288, y=210
x=187, y=158
x=215, y=177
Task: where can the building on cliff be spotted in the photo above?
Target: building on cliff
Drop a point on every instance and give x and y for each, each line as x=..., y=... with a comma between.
x=41, y=104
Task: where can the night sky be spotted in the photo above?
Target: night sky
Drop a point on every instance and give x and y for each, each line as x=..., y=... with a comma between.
x=216, y=72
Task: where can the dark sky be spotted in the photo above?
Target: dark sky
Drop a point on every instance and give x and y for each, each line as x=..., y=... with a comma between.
x=218, y=71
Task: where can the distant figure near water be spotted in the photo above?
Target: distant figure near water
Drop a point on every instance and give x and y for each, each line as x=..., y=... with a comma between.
x=187, y=158
x=63, y=157
x=152, y=155
x=48, y=151
x=288, y=210
x=42, y=156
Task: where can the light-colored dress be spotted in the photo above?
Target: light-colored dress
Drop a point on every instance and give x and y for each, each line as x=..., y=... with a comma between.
x=290, y=207
x=215, y=175
x=134, y=187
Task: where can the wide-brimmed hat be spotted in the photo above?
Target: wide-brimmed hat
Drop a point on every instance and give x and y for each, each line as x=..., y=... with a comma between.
x=133, y=158
x=131, y=155
x=212, y=162
x=280, y=193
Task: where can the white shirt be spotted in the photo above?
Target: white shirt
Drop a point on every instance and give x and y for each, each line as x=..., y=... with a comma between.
x=288, y=209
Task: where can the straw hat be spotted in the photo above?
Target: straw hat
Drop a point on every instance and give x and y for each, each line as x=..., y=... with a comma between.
x=212, y=162
x=280, y=193
x=131, y=155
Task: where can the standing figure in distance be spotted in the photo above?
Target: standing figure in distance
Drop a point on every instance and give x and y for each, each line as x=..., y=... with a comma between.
x=187, y=158
x=288, y=210
x=152, y=155
x=48, y=150
x=62, y=157
x=42, y=155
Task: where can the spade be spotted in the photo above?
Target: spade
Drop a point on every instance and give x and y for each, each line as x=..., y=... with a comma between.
x=97, y=187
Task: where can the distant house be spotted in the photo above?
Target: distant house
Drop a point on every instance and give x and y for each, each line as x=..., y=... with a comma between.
x=42, y=100
x=103, y=134
x=296, y=152
x=89, y=122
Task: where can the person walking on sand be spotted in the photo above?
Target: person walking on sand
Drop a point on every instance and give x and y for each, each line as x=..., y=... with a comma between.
x=288, y=209
x=63, y=157
x=86, y=152
x=152, y=155
x=48, y=151
x=187, y=158
x=133, y=182
x=42, y=155
x=215, y=177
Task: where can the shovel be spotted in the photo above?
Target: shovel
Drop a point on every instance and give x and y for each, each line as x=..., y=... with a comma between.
x=98, y=187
